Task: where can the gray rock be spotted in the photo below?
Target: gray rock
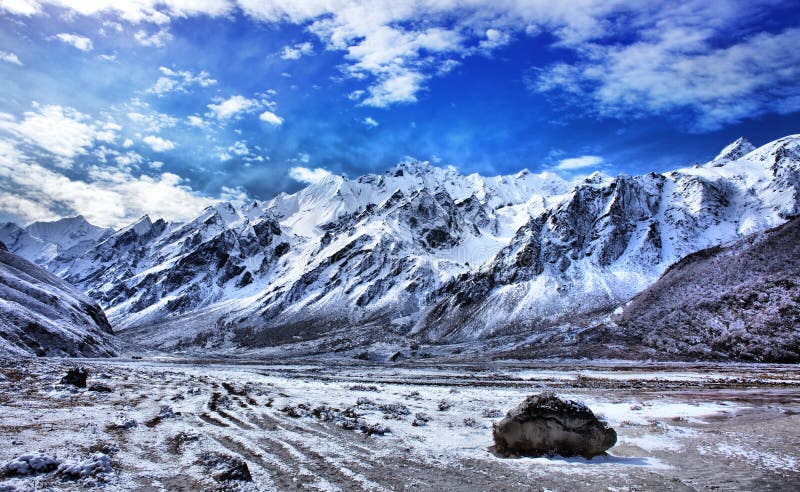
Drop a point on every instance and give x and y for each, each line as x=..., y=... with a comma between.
x=546, y=425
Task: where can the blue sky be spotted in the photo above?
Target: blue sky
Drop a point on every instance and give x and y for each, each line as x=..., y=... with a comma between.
x=113, y=109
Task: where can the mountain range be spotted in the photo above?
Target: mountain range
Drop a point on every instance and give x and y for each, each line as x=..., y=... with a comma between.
x=418, y=254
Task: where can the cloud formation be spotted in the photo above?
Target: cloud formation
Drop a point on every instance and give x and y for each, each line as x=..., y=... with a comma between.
x=271, y=118
x=158, y=144
x=581, y=162
x=80, y=42
x=297, y=51
x=308, y=175
x=180, y=81
x=107, y=196
x=59, y=130
x=630, y=57
x=232, y=107
x=10, y=58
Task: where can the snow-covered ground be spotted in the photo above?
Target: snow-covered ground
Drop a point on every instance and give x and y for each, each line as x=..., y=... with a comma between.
x=329, y=424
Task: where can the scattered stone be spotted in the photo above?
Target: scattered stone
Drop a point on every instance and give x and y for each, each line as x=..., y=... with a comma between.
x=374, y=429
x=30, y=463
x=546, y=425
x=491, y=413
x=76, y=376
x=123, y=425
x=364, y=402
x=165, y=412
x=362, y=356
x=445, y=405
x=361, y=387
x=100, y=388
x=471, y=422
x=97, y=464
x=175, y=443
x=225, y=468
x=292, y=411
x=394, y=411
x=237, y=471
x=421, y=419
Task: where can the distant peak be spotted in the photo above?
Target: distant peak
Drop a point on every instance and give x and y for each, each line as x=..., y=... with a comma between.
x=735, y=150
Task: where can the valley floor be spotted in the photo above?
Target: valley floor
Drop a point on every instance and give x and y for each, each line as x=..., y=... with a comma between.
x=189, y=424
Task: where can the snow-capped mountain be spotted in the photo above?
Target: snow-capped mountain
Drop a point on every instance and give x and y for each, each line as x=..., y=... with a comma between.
x=425, y=251
x=42, y=242
x=40, y=314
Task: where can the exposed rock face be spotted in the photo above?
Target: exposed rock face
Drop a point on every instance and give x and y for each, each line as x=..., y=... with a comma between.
x=546, y=425
x=40, y=314
x=741, y=301
x=425, y=253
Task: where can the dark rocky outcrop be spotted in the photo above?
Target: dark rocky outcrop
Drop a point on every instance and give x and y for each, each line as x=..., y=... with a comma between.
x=545, y=425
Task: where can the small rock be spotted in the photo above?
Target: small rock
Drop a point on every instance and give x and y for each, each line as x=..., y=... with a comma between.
x=100, y=388
x=237, y=470
x=30, y=463
x=98, y=463
x=421, y=420
x=546, y=425
x=445, y=405
x=76, y=376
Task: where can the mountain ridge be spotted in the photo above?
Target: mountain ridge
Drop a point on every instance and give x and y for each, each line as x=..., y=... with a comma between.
x=424, y=252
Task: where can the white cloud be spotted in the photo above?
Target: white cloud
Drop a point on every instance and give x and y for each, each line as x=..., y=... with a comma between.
x=239, y=148
x=679, y=69
x=180, y=81
x=307, y=175
x=158, y=144
x=21, y=7
x=152, y=121
x=9, y=58
x=196, y=121
x=59, y=130
x=297, y=51
x=369, y=121
x=80, y=42
x=233, y=106
x=581, y=162
x=108, y=58
x=105, y=196
x=494, y=39
x=156, y=39
x=271, y=118
x=669, y=56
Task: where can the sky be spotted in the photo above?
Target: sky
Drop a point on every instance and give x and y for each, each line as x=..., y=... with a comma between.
x=116, y=109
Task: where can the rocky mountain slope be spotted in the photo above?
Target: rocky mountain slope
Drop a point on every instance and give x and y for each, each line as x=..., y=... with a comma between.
x=426, y=253
x=41, y=314
x=42, y=242
x=741, y=301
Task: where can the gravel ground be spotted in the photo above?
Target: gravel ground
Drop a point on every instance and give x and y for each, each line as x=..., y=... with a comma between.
x=342, y=425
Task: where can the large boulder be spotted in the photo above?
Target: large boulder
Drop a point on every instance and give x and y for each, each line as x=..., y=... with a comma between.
x=547, y=425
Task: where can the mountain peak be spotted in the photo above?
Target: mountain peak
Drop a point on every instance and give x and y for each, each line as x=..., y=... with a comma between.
x=734, y=151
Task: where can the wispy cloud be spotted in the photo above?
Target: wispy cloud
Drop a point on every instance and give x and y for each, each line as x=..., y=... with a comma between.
x=582, y=162
x=233, y=106
x=80, y=42
x=297, y=51
x=180, y=81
